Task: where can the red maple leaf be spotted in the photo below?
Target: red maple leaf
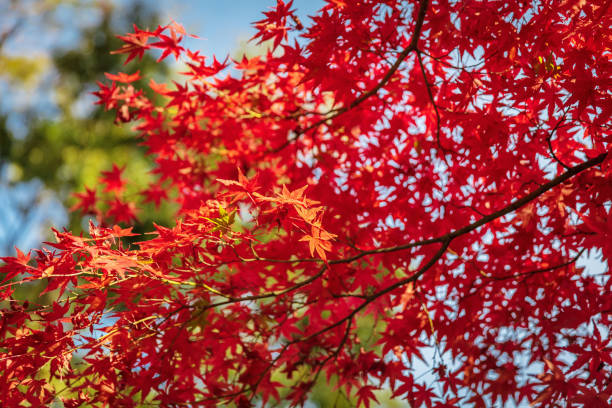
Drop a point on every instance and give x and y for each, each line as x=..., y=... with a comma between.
x=87, y=202
x=242, y=188
x=274, y=25
x=155, y=194
x=135, y=43
x=121, y=211
x=125, y=78
x=169, y=45
x=112, y=179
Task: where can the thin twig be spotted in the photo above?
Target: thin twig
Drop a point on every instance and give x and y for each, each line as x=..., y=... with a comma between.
x=431, y=99
x=550, y=148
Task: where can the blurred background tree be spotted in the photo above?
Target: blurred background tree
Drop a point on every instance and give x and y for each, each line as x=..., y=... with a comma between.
x=53, y=139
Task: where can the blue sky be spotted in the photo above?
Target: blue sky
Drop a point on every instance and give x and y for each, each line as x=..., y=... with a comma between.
x=222, y=25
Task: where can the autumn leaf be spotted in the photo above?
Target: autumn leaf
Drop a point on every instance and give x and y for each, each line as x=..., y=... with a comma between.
x=112, y=179
x=135, y=44
x=124, y=78
x=319, y=241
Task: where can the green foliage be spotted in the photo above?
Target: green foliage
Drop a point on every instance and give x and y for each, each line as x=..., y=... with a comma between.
x=23, y=69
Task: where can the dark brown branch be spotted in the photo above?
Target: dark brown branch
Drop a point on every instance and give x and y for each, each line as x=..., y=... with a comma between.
x=400, y=58
x=269, y=295
x=413, y=277
x=444, y=239
x=5, y=35
x=349, y=318
x=384, y=291
x=487, y=219
x=336, y=352
x=529, y=197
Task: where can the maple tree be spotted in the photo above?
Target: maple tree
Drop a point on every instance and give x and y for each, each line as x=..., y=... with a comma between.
x=425, y=172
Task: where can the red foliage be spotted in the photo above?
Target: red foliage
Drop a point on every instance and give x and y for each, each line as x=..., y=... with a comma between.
x=427, y=172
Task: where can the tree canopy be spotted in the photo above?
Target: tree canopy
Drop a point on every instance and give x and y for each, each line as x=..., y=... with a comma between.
x=393, y=182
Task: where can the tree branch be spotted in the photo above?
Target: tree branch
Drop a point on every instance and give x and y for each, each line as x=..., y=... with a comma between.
x=443, y=239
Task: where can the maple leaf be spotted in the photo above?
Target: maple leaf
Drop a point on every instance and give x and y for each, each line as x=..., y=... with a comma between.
x=121, y=211
x=366, y=395
x=14, y=266
x=310, y=215
x=125, y=78
x=241, y=189
x=224, y=221
x=274, y=25
x=87, y=202
x=112, y=179
x=178, y=28
x=107, y=95
x=155, y=194
x=320, y=241
x=135, y=44
x=249, y=64
x=169, y=45
x=161, y=89
x=201, y=70
x=295, y=198
x=118, y=232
